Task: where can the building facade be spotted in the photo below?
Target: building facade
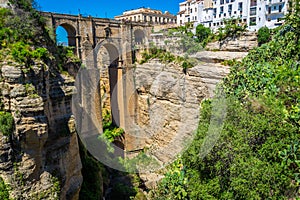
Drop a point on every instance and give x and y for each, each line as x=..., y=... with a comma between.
x=147, y=15
x=254, y=13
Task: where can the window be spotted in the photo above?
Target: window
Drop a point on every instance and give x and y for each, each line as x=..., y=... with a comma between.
x=195, y=9
x=240, y=6
x=252, y=11
x=221, y=2
x=221, y=10
x=280, y=8
x=252, y=21
x=230, y=8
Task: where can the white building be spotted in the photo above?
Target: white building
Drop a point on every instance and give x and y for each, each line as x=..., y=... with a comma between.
x=211, y=13
x=147, y=15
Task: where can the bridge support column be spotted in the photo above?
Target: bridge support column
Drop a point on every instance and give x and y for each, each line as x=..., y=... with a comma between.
x=78, y=46
x=121, y=97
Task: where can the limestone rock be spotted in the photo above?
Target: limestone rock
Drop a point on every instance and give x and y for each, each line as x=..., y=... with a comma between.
x=244, y=43
x=218, y=56
x=44, y=147
x=167, y=110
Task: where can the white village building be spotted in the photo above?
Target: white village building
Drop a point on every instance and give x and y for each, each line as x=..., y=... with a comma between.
x=254, y=13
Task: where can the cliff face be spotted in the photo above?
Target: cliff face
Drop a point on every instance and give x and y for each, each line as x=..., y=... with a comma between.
x=41, y=157
x=168, y=103
x=244, y=43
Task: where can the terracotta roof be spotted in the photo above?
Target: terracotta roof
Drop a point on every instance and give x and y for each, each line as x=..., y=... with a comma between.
x=181, y=12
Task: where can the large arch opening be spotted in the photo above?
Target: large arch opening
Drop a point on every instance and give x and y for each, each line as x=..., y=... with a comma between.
x=65, y=35
x=108, y=60
x=139, y=36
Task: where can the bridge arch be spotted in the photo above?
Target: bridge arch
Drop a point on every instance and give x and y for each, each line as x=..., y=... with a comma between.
x=71, y=33
x=139, y=36
x=108, y=56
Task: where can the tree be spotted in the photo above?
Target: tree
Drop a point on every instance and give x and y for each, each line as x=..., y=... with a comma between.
x=263, y=35
x=202, y=34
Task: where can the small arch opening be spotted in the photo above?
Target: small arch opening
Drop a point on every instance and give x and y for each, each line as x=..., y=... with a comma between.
x=65, y=35
x=139, y=36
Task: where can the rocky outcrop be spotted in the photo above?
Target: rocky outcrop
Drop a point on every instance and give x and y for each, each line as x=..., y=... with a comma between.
x=40, y=160
x=168, y=103
x=244, y=43
x=167, y=111
x=210, y=68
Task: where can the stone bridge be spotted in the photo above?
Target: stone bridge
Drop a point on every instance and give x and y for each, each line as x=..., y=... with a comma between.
x=90, y=31
x=107, y=48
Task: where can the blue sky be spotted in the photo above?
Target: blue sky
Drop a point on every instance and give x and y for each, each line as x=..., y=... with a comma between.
x=104, y=8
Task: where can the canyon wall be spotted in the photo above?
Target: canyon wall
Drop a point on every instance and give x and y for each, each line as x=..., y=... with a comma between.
x=41, y=157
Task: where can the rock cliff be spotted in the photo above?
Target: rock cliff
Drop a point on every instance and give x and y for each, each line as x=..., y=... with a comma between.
x=168, y=103
x=244, y=43
x=40, y=159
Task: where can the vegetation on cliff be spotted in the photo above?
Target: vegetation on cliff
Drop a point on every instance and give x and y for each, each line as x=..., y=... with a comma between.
x=4, y=190
x=26, y=45
x=258, y=153
x=6, y=123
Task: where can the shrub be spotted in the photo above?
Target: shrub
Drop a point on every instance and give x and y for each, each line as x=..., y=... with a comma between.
x=6, y=123
x=4, y=190
x=263, y=35
x=231, y=30
x=203, y=34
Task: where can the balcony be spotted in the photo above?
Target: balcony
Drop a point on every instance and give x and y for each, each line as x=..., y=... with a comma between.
x=274, y=12
x=273, y=2
x=252, y=11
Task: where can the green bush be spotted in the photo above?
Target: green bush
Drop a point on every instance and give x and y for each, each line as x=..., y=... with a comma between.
x=257, y=155
x=4, y=190
x=231, y=30
x=6, y=123
x=263, y=35
x=94, y=176
x=167, y=57
x=203, y=33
